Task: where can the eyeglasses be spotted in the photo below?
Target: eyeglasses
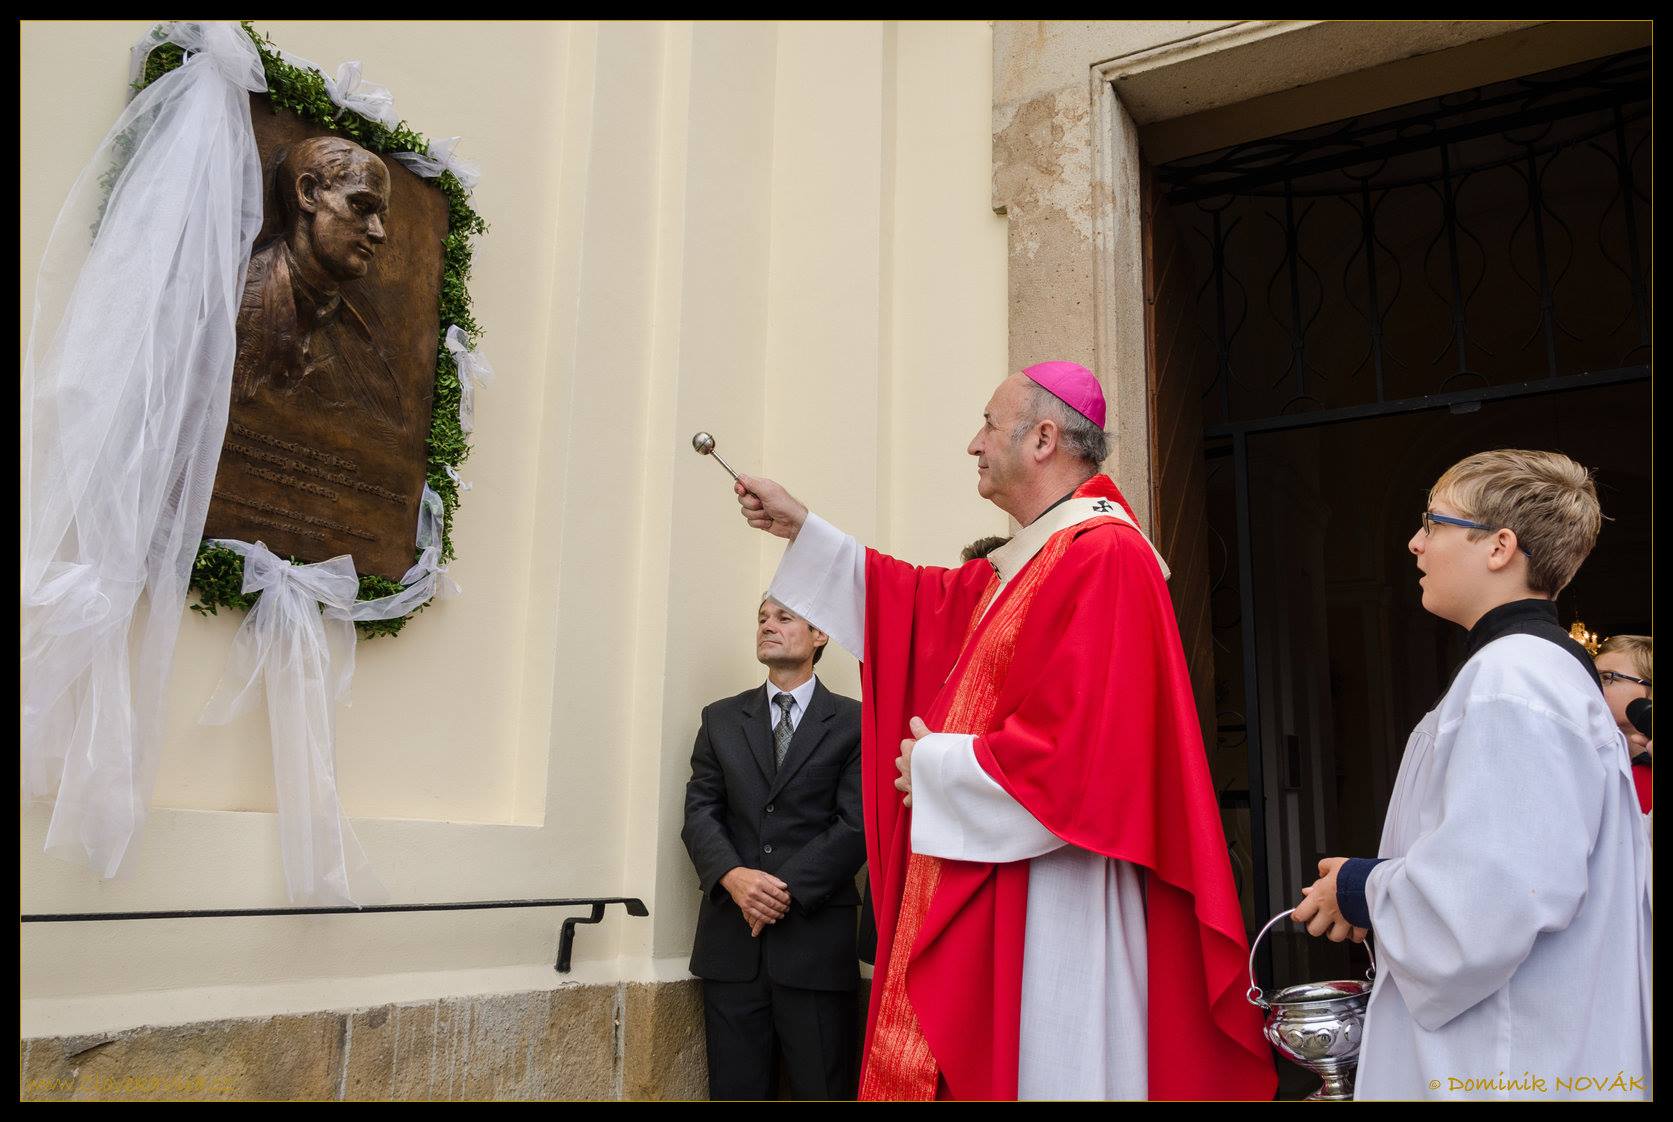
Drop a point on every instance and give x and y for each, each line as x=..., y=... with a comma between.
x=1430, y=518
x=1610, y=677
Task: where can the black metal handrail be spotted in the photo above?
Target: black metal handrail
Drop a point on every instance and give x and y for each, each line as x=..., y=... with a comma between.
x=566, y=934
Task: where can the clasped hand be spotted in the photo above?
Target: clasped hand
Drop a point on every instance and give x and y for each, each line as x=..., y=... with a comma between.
x=903, y=763
x=762, y=897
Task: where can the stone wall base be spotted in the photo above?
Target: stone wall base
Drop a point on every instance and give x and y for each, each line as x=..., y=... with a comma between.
x=631, y=1040
x=640, y=1041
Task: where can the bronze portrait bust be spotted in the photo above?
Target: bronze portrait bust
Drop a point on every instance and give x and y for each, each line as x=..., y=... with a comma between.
x=334, y=374
x=300, y=336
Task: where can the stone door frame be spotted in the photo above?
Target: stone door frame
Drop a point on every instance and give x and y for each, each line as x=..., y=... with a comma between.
x=1069, y=99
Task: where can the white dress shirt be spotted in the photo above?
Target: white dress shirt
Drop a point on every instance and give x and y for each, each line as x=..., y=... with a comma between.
x=801, y=696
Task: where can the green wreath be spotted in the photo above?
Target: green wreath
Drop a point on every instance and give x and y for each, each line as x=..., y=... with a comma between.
x=218, y=572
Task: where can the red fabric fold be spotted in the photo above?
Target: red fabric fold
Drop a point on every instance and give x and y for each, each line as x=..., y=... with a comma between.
x=1095, y=733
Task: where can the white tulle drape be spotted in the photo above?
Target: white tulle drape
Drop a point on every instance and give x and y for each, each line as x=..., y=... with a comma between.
x=458, y=480
x=474, y=370
x=441, y=158
x=349, y=91
x=426, y=579
x=296, y=647
x=126, y=381
x=302, y=660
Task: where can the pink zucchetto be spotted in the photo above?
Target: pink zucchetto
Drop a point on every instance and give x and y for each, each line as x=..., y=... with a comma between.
x=1072, y=384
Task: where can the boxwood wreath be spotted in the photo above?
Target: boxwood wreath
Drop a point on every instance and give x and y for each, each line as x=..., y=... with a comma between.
x=218, y=573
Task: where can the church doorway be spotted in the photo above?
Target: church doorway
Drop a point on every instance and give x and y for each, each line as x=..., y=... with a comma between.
x=1336, y=315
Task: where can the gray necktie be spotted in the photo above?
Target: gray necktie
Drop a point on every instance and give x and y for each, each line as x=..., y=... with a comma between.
x=784, y=730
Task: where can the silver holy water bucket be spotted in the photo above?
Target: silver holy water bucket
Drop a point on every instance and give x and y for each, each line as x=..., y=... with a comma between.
x=1317, y=1024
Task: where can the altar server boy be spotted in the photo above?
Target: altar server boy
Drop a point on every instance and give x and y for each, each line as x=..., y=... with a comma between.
x=1509, y=901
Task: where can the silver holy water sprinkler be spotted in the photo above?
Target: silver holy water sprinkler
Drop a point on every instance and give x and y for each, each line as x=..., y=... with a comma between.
x=705, y=445
x=1317, y=1025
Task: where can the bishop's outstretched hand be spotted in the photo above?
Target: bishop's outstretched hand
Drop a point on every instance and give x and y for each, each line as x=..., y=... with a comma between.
x=767, y=506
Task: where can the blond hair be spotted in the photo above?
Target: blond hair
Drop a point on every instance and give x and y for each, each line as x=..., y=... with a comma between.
x=1638, y=650
x=1545, y=498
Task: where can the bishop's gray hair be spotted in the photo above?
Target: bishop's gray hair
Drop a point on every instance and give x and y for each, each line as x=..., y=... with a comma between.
x=1081, y=438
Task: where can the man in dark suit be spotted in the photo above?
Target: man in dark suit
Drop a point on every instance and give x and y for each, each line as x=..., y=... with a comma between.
x=774, y=826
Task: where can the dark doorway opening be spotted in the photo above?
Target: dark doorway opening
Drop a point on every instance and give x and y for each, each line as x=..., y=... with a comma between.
x=1370, y=301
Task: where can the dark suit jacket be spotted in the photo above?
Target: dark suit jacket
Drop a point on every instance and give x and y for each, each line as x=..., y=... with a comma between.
x=803, y=823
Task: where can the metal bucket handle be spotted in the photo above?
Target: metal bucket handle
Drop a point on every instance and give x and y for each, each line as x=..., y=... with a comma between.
x=1255, y=996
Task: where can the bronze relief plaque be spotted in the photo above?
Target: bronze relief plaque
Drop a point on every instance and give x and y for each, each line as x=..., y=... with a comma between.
x=336, y=364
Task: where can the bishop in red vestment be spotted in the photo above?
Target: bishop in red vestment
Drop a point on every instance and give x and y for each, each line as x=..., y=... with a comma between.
x=1055, y=909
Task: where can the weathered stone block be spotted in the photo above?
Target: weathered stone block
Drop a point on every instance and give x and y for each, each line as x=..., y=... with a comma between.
x=284, y=1058
x=663, y=1051
x=549, y=1045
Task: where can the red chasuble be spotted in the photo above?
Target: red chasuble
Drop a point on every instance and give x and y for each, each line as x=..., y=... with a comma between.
x=1076, y=688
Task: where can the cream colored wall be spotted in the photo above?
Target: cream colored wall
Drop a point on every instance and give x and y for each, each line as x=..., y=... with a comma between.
x=779, y=233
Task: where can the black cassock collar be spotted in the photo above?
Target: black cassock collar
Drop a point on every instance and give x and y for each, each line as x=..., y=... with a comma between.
x=1524, y=617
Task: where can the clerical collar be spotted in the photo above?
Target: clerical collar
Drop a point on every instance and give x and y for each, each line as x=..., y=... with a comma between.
x=1067, y=496
x=1007, y=560
x=1524, y=617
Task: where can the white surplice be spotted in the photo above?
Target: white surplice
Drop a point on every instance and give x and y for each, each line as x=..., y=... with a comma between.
x=1511, y=919
x=1084, y=974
